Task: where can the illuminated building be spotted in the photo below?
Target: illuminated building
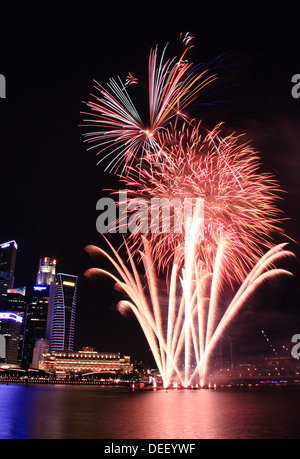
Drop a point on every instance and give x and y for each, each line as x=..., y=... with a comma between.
x=10, y=328
x=85, y=362
x=12, y=303
x=61, y=318
x=38, y=308
x=36, y=320
x=47, y=271
x=16, y=302
x=8, y=253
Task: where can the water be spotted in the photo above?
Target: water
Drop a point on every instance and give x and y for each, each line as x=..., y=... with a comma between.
x=93, y=412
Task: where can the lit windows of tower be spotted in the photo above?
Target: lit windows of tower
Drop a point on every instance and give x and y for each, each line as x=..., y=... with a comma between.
x=63, y=312
x=47, y=271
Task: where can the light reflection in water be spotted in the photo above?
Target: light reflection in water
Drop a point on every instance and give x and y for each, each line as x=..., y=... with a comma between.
x=113, y=413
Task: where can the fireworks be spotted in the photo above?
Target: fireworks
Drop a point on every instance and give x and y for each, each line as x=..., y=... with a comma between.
x=176, y=158
x=118, y=132
x=187, y=328
x=239, y=200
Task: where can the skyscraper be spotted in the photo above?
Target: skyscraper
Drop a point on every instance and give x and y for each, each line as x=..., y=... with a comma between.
x=37, y=308
x=16, y=302
x=36, y=320
x=61, y=318
x=46, y=272
x=8, y=253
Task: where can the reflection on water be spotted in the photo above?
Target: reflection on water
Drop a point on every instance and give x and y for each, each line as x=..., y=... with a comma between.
x=117, y=413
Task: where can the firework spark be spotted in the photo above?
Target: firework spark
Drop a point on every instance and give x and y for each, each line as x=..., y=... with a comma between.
x=192, y=324
x=118, y=132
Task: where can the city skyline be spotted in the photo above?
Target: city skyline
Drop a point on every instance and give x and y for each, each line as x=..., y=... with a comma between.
x=50, y=83
x=46, y=309
x=58, y=61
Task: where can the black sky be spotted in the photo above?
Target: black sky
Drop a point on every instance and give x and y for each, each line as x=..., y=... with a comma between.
x=49, y=183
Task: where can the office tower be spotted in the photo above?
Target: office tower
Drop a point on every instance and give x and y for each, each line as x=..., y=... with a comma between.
x=10, y=329
x=36, y=320
x=62, y=313
x=37, y=308
x=16, y=303
x=47, y=271
x=8, y=253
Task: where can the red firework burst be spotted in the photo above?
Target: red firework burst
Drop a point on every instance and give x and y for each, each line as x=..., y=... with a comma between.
x=240, y=201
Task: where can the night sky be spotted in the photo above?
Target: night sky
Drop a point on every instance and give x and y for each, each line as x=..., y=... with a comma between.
x=49, y=183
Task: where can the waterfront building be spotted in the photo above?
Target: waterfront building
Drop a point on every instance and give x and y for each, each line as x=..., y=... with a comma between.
x=84, y=362
x=10, y=330
x=62, y=309
x=47, y=271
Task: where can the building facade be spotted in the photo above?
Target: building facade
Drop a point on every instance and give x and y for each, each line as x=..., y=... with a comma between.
x=85, y=362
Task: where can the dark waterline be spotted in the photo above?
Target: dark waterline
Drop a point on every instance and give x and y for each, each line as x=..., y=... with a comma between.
x=93, y=412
